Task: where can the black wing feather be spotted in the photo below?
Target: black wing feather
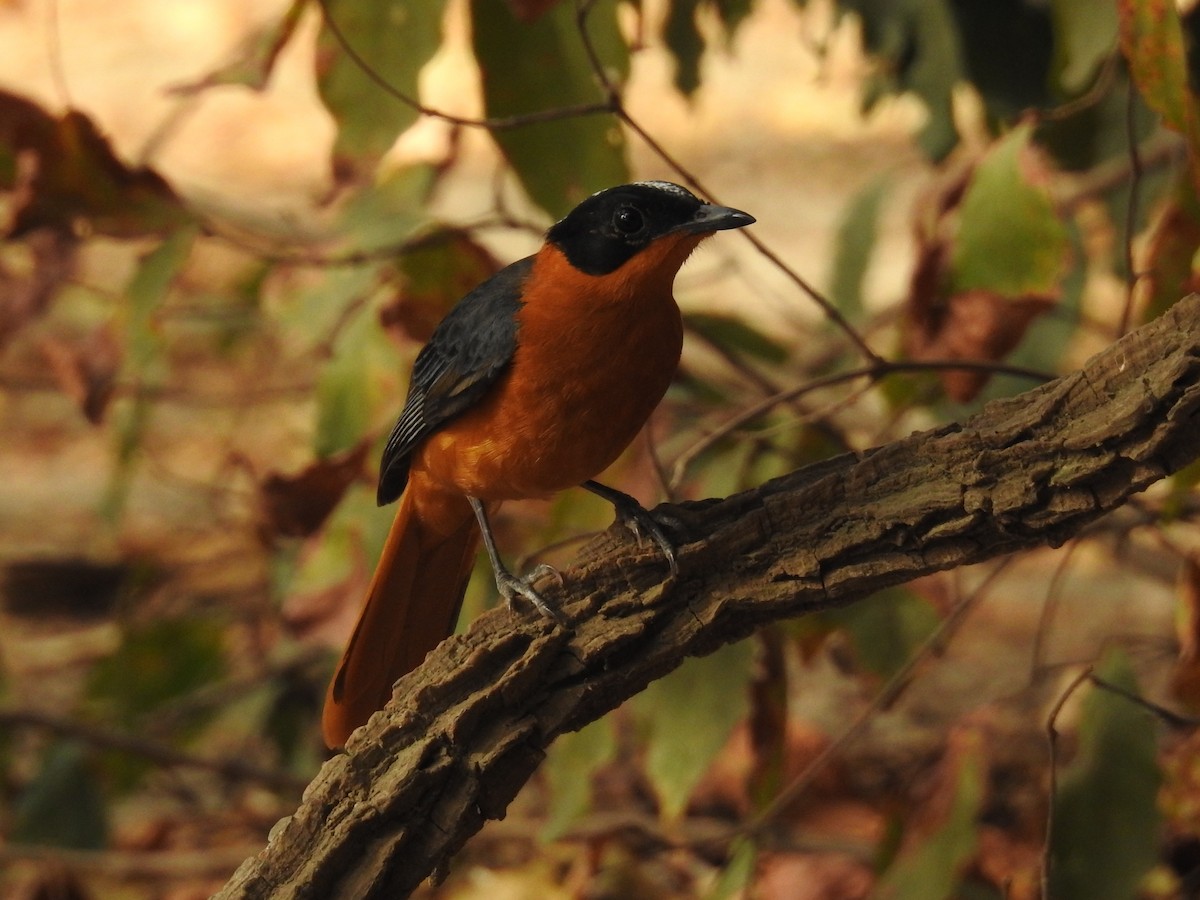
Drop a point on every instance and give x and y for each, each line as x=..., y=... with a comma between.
x=464, y=357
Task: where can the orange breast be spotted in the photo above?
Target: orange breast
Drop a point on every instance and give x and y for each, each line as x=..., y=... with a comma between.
x=594, y=357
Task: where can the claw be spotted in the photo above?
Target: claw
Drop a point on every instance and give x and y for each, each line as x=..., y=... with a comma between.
x=513, y=586
x=637, y=519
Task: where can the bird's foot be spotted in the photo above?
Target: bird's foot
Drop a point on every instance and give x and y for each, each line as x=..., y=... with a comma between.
x=639, y=520
x=513, y=586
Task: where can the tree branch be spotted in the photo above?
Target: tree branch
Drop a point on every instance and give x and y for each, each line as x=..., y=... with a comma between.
x=471, y=725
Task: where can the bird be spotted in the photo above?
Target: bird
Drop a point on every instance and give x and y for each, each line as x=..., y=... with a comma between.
x=533, y=383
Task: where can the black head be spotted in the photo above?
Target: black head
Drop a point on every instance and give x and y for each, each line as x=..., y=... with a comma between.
x=609, y=228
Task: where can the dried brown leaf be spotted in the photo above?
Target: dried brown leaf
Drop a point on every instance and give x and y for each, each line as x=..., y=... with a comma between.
x=529, y=10
x=62, y=170
x=434, y=276
x=25, y=295
x=963, y=306
x=973, y=326
x=1015, y=862
x=297, y=505
x=1170, y=256
x=53, y=882
x=86, y=370
x=812, y=876
x=1185, y=680
x=941, y=785
x=327, y=615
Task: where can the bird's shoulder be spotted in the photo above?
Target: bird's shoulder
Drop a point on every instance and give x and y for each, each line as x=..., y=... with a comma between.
x=465, y=355
x=480, y=330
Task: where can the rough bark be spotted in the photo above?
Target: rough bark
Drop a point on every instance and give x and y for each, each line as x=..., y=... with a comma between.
x=467, y=729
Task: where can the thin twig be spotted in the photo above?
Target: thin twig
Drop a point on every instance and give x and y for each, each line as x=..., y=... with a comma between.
x=933, y=645
x=1049, y=608
x=161, y=754
x=1131, y=211
x=1168, y=717
x=503, y=123
x=54, y=52
x=658, y=467
x=1160, y=149
x=1100, y=85
x=177, y=395
x=582, y=9
x=384, y=253
x=763, y=385
x=1052, y=743
x=876, y=372
x=210, y=862
x=610, y=105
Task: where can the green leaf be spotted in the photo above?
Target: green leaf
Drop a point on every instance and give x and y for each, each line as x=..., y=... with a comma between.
x=886, y=629
x=533, y=67
x=1010, y=239
x=342, y=415
x=394, y=38
x=314, y=309
x=920, y=45
x=1153, y=43
x=435, y=275
x=1085, y=33
x=738, y=871
x=351, y=384
x=1106, y=819
x=75, y=174
x=63, y=806
x=388, y=210
x=157, y=662
x=1174, y=242
x=931, y=869
x=1006, y=50
x=130, y=419
x=355, y=531
x=721, y=469
x=737, y=335
x=144, y=362
x=253, y=62
x=1100, y=130
x=854, y=245
x=732, y=14
x=569, y=767
x=1182, y=487
x=683, y=41
x=687, y=717
x=146, y=293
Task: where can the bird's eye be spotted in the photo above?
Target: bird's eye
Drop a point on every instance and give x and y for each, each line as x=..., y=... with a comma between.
x=628, y=220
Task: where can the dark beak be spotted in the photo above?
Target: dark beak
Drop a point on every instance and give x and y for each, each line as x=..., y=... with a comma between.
x=715, y=218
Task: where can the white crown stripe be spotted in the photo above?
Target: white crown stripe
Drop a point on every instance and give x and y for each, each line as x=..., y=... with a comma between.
x=667, y=187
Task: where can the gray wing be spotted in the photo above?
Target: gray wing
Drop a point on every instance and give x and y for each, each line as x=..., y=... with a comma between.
x=464, y=357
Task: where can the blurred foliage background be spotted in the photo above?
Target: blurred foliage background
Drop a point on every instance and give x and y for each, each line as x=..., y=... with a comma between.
x=229, y=227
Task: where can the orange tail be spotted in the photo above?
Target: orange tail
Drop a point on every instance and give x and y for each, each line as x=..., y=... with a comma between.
x=412, y=605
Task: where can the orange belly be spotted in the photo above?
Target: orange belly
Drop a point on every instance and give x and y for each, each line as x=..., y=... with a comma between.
x=589, y=369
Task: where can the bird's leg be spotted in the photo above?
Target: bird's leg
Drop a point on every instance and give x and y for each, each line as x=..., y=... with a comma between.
x=636, y=518
x=511, y=586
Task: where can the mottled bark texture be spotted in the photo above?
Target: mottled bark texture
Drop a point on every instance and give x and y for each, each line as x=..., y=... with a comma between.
x=469, y=727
